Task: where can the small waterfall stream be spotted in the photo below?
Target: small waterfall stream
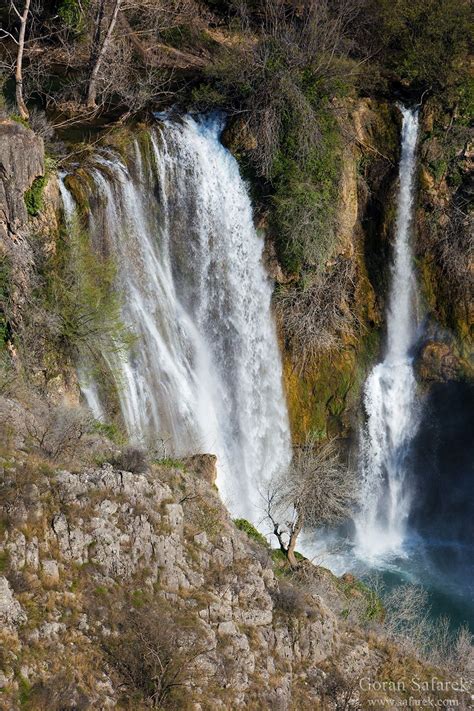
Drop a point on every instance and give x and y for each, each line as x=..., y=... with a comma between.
x=205, y=371
x=390, y=389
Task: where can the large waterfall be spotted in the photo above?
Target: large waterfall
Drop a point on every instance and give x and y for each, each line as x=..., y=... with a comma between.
x=204, y=374
x=390, y=390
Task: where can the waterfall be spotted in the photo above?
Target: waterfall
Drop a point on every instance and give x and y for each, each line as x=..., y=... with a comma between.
x=204, y=373
x=390, y=389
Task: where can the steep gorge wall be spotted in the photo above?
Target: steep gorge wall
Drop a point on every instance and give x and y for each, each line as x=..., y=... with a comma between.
x=444, y=245
x=30, y=227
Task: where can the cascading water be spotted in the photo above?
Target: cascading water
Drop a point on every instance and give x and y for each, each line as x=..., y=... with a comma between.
x=205, y=372
x=390, y=390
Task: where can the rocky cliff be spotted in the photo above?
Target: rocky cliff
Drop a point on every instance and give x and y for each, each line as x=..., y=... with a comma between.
x=444, y=244
x=136, y=590
x=21, y=163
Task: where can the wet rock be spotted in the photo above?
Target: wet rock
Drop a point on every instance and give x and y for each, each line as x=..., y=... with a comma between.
x=438, y=363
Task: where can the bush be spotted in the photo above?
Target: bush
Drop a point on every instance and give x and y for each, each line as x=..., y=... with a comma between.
x=244, y=525
x=132, y=459
x=424, y=42
x=154, y=655
x=34, y=196
x=56, y=430
x=75, y=312
x=289, y=600
x=317, y=313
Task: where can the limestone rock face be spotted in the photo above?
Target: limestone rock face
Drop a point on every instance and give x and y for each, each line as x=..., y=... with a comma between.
x=21, y=161
x=166, y=538
x=11, y=612
x=101, y=561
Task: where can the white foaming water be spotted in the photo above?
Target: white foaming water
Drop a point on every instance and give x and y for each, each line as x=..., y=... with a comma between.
x=390, y=389
x=205, y=372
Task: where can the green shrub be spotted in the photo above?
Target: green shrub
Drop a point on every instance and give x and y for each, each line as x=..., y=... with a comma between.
x=425, y=42
x=19, y=119
x=3, y=561
x=72, y=13
x=205, y=97
x=79, y=290
x=169, y=462
x=109, y=430
x=306, y=189
x=352, y=587
x=248, y=528
x=34, y=196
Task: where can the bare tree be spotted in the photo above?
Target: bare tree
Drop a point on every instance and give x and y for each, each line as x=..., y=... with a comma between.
x=19, y=60
x=99, y=48
x=316, y=490
x=156, y=655
x=56, y=430
x=20, y=43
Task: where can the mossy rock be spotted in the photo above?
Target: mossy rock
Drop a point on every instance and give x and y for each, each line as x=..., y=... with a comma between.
x=34, y=196
x=322, y=399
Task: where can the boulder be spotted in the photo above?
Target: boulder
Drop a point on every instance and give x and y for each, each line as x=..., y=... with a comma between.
x=11, y=612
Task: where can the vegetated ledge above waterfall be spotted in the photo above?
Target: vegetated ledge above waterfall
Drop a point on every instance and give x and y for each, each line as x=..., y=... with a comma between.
x=121, y=590
x=330, y=309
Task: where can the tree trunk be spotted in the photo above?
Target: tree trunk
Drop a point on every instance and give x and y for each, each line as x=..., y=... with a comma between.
x=290, y=552
x=22, y=110
x=98, y=55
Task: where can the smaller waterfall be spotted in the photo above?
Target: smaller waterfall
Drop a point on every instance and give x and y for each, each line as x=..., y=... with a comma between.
x=390, y=389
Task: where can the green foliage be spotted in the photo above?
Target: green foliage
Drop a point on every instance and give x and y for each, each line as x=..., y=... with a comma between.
x=352, y=587
x=138, y=598
x=282, y=568
x=206, y=98
x=244, y=525
x=24, y=689
x=34, y=196
x=169, y=463
x=306, y=188
x=291, y=137
x=439, y=168
x=109, y=430
x=424, y=41
x=3, y=561
x=19, y=119
x=80, y=292
x=72, y=13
